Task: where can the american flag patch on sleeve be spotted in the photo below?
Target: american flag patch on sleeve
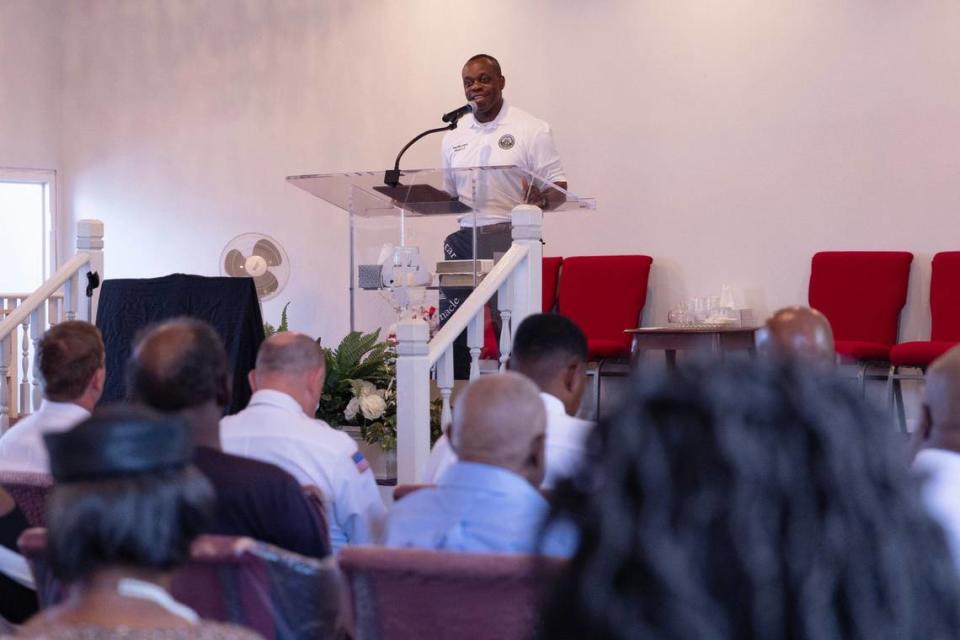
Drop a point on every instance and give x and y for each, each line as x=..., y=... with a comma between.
x=360, y=462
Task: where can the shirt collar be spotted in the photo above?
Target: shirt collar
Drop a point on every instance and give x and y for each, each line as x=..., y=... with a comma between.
x=552, y=403
x=63, y=408
x=496, y=122
x=275, y=398
x=486, y=477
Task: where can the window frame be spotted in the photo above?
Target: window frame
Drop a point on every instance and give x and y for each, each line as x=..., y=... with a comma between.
x=51, y=219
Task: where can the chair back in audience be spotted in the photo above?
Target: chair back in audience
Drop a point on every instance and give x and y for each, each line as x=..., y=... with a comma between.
x=945, y=297
x=400, y=594
x=604, y=295
x=551, y=278
x=280, y=594
x=318, y=508
x=29, y=491
x=862, y=294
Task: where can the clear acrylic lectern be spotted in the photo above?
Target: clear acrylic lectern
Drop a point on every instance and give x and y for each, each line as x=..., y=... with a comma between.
x=395, y=245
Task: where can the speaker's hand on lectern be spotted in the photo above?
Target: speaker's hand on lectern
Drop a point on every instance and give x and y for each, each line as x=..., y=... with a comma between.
x=546, y=198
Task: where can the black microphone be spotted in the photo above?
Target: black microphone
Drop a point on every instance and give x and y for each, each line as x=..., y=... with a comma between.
x=456, y=114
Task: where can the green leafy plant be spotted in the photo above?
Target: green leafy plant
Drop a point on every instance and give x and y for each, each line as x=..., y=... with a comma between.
x=360, y=389
x=269, y=329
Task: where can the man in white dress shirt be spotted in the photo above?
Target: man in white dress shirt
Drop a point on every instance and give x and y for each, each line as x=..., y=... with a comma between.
x=938, y=440
x=552, y=351
x=70, y=363
x=278, y=426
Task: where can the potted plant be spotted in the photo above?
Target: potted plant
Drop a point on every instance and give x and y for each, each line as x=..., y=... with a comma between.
x=360, y=391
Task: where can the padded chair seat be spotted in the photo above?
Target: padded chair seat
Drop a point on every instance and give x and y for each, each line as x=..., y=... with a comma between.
x=862, y=350
x=599, y=349
x=918, y=354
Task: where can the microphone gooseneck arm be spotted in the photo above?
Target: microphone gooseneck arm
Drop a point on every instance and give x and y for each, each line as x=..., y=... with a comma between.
x=392, y=177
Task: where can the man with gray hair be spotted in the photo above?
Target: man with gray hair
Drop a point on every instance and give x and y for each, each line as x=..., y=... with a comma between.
x=278, y=426
x=487, y=501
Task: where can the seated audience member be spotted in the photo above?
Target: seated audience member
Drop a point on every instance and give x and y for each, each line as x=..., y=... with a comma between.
x=487, y=501
x=124, y=510
x=17, y=602
x=180, y=367
x=749, y=500
x=938, y=440
x=552, y=351
x=70, y=359
x=278, y=427
x=798, y=333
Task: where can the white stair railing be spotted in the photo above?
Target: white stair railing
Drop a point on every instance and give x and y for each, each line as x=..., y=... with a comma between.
x=25, y=318
x=516, y=279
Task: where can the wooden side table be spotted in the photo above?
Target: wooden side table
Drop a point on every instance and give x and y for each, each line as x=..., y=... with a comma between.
x=713, y=339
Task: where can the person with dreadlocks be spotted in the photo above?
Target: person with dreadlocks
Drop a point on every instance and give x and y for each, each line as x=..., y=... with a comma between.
x=761, y=500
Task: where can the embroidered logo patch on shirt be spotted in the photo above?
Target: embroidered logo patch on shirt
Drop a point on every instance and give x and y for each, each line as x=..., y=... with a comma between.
x=360, y=462
x=506, y=141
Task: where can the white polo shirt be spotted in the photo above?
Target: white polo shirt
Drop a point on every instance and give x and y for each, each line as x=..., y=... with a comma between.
x=273, y=428
x=940, y=470
x=514, y=137
x=564, y=447
x=22, y=448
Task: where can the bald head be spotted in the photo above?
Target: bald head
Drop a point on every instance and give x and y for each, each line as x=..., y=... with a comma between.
x=798, y=333
x=289, y=352
x=500, y=420
x=294, y=364
x=178, y=364
x=942, y=398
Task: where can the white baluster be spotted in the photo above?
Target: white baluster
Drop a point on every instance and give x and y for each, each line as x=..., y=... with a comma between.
x=24, y=402
x=475, y=343
x=445, y=385
x=413, y=400
x=505, y=302
x=38, y=324
x=70, y=292
x=90, y=239
x=5, y=350
x=528, y=278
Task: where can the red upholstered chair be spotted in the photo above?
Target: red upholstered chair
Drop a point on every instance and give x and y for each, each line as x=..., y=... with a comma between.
x=401, y=594
x=862, y=294
x=29, y=491
x=551, y=277
x=944, y=328
x=604, y=296
x=280, y=594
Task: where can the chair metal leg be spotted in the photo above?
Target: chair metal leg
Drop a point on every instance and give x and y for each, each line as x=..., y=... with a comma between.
x=901, y=411
x=888, y=392
x=596, y=390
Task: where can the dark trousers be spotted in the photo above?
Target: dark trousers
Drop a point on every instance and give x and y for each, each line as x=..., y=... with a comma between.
x=491, y=239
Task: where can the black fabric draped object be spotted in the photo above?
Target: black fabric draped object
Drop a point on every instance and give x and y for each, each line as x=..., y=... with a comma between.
x=229, y=304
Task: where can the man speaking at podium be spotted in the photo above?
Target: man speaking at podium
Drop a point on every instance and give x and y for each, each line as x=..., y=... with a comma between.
x=496, y=134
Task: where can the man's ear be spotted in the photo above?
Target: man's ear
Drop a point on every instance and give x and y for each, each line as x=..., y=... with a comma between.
x=252, y=379
x=98, y=380
x=317, y=378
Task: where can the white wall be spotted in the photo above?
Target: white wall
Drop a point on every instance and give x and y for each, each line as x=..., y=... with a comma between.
x=728, y=139
x=30, y=84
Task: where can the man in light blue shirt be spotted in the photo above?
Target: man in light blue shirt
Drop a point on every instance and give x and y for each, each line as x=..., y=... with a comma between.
x=488, y=501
